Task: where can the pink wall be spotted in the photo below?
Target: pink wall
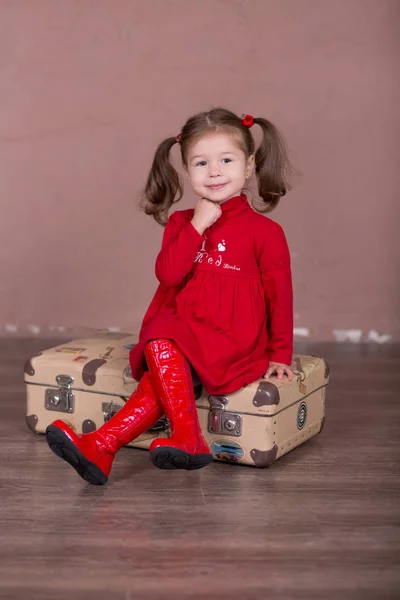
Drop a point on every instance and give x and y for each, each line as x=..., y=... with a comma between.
x=88, y=88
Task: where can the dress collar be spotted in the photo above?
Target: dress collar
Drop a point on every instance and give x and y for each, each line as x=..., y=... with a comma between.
x=235, y=205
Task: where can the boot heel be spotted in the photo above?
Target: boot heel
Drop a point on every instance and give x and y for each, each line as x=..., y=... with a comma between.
x=63, y=447
x=167, y=457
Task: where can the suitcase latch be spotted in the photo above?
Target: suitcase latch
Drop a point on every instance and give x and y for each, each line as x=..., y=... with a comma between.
x=109, y=409
x=63, y=398
x=222, y=421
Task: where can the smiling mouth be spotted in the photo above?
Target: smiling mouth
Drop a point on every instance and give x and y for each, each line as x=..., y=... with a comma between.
x=217, y=186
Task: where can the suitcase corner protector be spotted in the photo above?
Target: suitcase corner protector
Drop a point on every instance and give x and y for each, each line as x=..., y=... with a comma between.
x=31, y=422
x=264, y=458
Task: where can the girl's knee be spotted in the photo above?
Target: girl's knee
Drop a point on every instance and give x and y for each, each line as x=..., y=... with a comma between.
x=158, y=342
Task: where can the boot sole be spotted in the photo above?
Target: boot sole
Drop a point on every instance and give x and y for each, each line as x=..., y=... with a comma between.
x=172, y=458
x=62, y=446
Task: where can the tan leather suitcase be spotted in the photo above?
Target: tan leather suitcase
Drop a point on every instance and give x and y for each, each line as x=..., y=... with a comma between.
x=85, y=381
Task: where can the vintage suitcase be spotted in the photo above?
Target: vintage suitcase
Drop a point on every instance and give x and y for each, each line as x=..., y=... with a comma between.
x=84, y=382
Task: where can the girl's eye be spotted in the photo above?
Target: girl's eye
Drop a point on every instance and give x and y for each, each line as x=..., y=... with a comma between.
x=226, y=160
x=201, y=163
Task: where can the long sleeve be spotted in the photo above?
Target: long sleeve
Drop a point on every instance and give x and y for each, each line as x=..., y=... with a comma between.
x=274, y=263
x=180, y=245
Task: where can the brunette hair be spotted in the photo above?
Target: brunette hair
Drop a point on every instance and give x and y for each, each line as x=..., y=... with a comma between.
x=272, y=168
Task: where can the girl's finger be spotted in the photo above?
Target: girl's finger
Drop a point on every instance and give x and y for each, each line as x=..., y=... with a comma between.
x=270, y=372
x=281, y=372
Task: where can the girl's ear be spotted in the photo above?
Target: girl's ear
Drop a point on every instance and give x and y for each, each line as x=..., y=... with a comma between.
x=250, y=166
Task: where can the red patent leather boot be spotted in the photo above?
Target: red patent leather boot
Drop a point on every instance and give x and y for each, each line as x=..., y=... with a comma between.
x=172, y=380
x=92, y=454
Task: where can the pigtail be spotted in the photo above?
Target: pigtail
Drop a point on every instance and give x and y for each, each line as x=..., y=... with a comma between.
x=272, y=165
x=163, y=186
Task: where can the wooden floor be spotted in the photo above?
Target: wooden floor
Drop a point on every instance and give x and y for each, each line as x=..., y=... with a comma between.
x=322, y=522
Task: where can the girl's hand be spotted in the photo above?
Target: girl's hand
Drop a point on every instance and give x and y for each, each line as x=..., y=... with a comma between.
x=280, y=369
x=205, y=214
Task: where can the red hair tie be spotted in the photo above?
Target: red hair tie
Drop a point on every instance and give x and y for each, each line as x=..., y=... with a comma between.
x=178, y=138
x=248, y=120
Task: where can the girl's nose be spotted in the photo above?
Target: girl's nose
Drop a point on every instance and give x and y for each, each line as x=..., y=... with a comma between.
x=213, y=171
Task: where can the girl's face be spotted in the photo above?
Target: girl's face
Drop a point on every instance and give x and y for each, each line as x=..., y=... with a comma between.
x=217, y=167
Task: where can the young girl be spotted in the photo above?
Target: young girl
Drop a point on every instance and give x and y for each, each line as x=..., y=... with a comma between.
x=223, y=312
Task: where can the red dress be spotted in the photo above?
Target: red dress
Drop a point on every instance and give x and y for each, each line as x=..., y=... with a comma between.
x=225, y=298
